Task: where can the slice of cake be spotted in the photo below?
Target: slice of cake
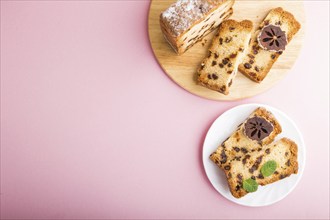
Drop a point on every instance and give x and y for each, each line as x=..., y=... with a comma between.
x=218, y=70
x=188, y=21
x=259, y=129
x=274, y=162
x=268, y=43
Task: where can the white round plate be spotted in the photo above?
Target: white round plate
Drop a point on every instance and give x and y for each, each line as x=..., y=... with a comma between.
x=223, y=127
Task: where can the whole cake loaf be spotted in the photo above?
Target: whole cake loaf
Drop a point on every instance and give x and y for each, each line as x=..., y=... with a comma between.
x=268, y=43
x=186, y=22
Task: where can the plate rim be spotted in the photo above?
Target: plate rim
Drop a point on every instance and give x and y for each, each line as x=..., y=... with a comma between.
x=301, y=166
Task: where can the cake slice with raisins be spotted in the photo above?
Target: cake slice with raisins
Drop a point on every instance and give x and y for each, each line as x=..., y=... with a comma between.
x=268, y=43
x=218, y=70
x=274, y=162
x=259, y=129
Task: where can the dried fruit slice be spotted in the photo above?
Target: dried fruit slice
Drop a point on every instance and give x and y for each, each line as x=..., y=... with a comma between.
x=272, y=38
x=257, y=128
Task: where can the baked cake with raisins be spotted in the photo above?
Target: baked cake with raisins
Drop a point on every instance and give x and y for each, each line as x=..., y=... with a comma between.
x=186, y=22
x=218, y=70
x=259, y=129
x=274, y=162
x=268, y=43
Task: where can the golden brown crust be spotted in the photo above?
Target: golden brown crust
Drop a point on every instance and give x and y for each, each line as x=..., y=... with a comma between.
x=176, y=37
x=263, y=60
x=177, y=43
x=180, y=9
x=167, y=35
x=237, y=145
x=285, y=155
x=288, y=18
x=244, y=25
x=292, y=169
x=218, y=70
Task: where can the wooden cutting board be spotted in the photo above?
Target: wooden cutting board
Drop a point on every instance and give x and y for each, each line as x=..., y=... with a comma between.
x=182, y=69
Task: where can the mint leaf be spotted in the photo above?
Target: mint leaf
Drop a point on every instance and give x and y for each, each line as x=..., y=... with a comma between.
x=268, y=168
x=250, y=185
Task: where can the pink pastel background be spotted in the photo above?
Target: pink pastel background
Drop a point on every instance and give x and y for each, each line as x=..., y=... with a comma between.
x=91, y=127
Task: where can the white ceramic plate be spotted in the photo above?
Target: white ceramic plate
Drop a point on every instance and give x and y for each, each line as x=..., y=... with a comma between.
x=222, y=127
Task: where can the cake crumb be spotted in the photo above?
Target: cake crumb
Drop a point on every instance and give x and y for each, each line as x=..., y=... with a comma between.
x=204, y=42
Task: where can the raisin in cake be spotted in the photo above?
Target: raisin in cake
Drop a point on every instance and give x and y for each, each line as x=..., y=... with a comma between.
x=283, y=156
x=218, y=70
x=259, y=129
x=268, y=43
x=188, y=21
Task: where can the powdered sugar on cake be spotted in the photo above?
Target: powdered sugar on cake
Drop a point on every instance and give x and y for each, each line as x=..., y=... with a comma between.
x=182, y=14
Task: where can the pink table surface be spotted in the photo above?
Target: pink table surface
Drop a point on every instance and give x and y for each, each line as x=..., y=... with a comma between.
x=91, y=127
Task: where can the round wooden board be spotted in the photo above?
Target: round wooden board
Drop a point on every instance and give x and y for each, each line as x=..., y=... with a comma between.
x=182, y=69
